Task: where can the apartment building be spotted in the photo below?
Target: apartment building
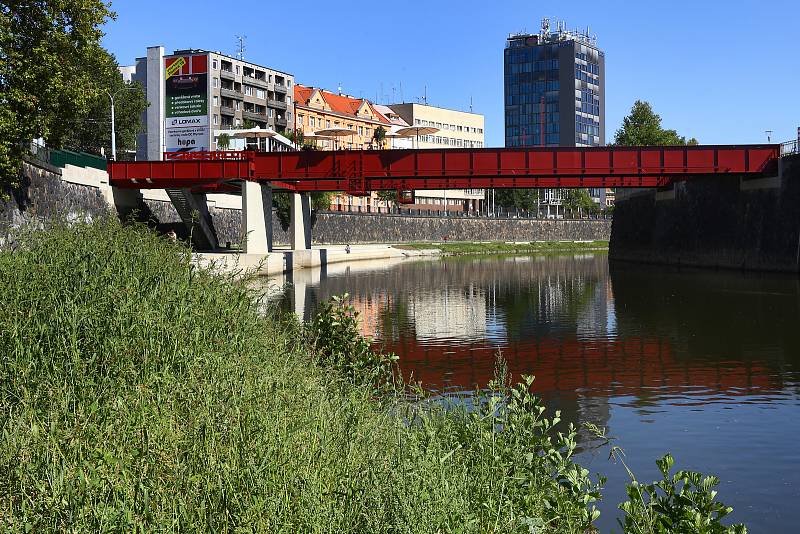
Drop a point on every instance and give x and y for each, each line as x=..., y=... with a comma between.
x=193, y=94
x=456, y=129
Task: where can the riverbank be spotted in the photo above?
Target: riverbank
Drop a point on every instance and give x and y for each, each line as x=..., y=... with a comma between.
x=285, y=261
x=141, y=392
x=504, y=247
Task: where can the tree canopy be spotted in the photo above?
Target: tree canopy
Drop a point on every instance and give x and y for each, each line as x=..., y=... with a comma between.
x=642, y=127
x=524, y=199
x=50, y=57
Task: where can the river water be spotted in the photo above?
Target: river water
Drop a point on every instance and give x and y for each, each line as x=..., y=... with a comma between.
x=702, y=364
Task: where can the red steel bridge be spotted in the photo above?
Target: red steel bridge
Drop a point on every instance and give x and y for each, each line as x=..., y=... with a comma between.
x=359, y=172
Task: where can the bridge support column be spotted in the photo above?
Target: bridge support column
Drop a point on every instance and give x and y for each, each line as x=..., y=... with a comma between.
x=257, y=217
x=300, y=221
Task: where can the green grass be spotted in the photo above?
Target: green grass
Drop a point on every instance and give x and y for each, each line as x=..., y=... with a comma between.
x=501, y=247
x=139, y=393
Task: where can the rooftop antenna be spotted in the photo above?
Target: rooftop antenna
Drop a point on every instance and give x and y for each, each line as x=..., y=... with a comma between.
x=401, y=92
x=470, y=103
x=769, y=135
x=425, y=95
x=240, y=47
x=340, y=88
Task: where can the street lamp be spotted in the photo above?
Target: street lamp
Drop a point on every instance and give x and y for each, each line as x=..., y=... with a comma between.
x=113, y=125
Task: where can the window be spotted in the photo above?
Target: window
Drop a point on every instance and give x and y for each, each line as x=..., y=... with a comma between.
x=360, y=130
x=417, y=122
x=238, y=105
x=216, y=82
x=327, y=123
x=270, y=112
x=216, y=120
x=312, y=121
x=289, y=100
x=260, y=93
x=237, y=69
x=300, y=118
x=214, y=64
x=460, y=128
x=216, y=101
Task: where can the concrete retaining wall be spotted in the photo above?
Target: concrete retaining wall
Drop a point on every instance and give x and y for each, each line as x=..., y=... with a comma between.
x=723, y=222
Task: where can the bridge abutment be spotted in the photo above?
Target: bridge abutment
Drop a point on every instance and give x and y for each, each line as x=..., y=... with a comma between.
x=722, y=221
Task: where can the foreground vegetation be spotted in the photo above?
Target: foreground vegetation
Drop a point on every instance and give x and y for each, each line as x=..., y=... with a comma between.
x=140, y=393
x=502, y=247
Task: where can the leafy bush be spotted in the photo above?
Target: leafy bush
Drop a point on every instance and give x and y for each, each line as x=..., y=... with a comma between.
x=679, y=504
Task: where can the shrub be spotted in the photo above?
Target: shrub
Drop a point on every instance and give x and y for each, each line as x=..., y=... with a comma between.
x=683, y=503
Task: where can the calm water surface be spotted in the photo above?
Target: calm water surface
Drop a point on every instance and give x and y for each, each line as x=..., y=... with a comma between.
x=702, y=364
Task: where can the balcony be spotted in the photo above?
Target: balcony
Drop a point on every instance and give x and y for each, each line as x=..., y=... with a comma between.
x=226, y=110
x=276, y=104
x=227, y=75
x=280, y=122
x=253, y=116
x=264, y=84
x=230, y=93
x=280, y=88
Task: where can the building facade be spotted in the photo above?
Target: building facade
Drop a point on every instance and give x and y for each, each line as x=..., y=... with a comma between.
x=193, y=94
x=318, y=109
x=555, y=93
x=456, y=129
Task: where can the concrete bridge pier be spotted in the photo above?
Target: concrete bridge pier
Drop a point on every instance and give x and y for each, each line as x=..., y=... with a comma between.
x=257, y=217
x=300, y=221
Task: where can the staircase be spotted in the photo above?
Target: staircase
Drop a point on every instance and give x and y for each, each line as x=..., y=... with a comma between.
x=193, y=211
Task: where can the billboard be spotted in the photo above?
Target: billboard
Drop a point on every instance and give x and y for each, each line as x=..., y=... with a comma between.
x=186, y=105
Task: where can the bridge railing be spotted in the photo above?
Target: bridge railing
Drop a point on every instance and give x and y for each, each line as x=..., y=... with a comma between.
x=790, y=148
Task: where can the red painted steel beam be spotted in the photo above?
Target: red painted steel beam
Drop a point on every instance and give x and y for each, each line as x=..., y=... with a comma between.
x=369, y=170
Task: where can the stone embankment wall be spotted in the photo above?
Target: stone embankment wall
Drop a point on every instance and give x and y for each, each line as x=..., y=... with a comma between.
x=355, y=228
x=77, y=193
x=723, y=222
x=44, y=195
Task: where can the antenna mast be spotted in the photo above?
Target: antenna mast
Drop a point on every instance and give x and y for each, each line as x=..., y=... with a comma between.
x=240, y=47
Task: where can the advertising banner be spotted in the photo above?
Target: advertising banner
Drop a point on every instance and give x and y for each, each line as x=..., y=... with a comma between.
x=186, y=106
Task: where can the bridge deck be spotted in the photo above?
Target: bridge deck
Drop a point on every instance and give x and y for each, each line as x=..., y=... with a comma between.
x=359, y=172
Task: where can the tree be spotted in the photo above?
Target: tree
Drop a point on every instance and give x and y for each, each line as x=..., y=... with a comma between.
x=379, y=135
x=93, y=133
x=224, y=141
x=524, y=199
x=642, y=127
x=50, y=55
x=388, y=195
x=575, y=199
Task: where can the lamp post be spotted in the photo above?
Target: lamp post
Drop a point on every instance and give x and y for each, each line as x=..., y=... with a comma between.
x=113, y=128
x=113, y=125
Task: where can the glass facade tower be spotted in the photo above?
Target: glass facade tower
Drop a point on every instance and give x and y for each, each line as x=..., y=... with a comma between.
x=554, y=92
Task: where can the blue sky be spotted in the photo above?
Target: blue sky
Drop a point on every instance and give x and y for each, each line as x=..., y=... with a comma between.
x=720, y=71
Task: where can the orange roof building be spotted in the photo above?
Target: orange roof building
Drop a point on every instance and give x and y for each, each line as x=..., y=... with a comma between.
x=318, y=109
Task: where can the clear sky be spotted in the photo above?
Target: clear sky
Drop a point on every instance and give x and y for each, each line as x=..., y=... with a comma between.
x=720, y=71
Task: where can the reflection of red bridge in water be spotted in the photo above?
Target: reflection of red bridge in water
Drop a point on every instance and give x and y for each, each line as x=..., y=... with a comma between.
x=598, y=368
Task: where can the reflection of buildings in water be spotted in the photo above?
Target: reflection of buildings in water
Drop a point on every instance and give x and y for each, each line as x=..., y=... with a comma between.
x=450, y=312
x=598, y=318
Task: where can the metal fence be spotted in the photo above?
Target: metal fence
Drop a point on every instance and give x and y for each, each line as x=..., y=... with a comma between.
x=498, y=214
x=790, y=148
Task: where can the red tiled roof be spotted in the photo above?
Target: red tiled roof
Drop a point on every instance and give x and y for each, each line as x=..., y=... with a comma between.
x=344, y=105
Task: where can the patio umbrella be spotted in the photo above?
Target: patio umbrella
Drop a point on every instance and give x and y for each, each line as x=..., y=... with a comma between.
x=335, y=132
x=416, y=131
x=250, y=133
